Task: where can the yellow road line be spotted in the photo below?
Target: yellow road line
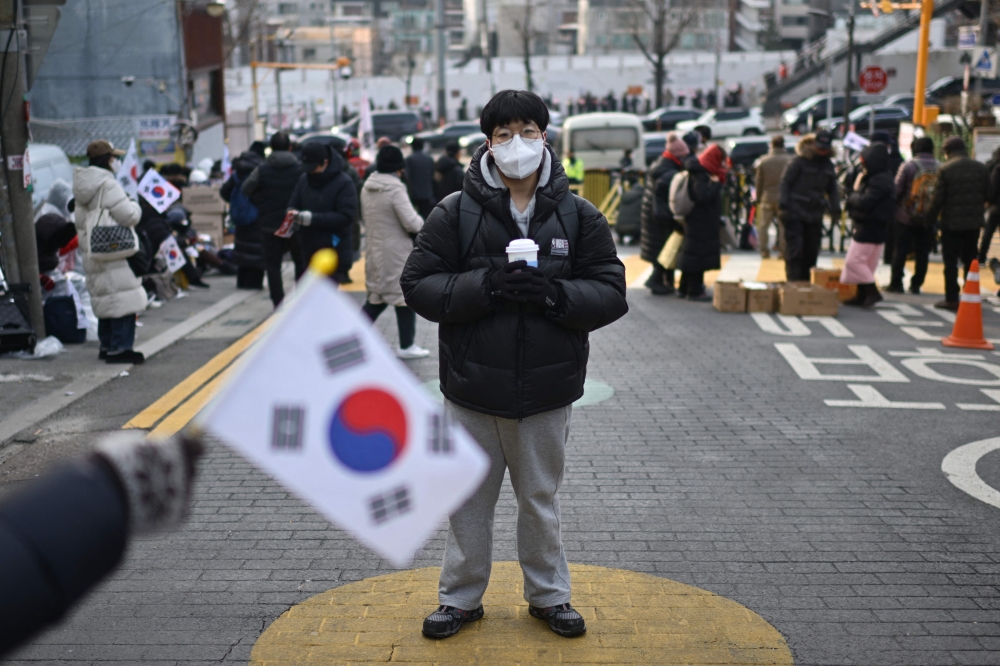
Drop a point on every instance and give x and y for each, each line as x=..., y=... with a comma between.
x=149, y=416
x=181, y=416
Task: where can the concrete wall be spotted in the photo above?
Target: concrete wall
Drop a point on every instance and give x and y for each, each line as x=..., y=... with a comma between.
x=96, y=43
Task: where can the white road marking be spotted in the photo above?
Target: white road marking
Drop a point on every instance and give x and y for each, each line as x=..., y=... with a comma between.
x=921, y=368
x=870, y=397
x=918, y=333
x=947, y=315
x=959, y=466
x=835, y=328
x=24, y=377
x=793, y=327
x=806, y=368
x=923, y=352
x=978, y=407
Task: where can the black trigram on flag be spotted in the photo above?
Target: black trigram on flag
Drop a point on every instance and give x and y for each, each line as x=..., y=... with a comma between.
x=342, y=354
x=389, y=505
x=286, y=431
x=440, y=435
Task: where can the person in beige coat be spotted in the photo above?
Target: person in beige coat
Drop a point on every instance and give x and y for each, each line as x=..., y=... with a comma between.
x=390, y=221
x=767, y=180
x=116, y=293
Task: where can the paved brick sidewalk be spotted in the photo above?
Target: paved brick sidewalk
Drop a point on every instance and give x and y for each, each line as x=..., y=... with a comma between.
x=713, y=465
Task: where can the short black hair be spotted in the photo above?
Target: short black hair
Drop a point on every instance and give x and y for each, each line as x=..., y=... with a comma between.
x=417, y=143
x=102, y=161
x=452, y=148
x=280, y=141
x=510, y=105
x=705, y=131
x=924, y=144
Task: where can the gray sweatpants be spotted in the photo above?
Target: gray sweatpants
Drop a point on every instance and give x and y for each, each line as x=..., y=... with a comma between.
x=534, y=451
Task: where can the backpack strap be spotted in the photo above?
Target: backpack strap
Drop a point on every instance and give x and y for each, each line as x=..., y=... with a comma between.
x=470, y=214
x=570, y=219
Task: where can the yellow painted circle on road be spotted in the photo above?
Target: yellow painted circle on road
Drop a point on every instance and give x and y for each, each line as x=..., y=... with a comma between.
x=632, y=618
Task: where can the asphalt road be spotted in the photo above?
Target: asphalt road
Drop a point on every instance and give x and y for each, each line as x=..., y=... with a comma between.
x=714, y=463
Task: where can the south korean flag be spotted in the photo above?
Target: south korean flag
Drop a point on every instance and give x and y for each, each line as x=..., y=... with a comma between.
x=128, y=173
x=324, y=406
x=158, y=191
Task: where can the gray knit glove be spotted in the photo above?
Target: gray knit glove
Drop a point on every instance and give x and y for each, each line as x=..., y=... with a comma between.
x=155, y=476
x=304, y=218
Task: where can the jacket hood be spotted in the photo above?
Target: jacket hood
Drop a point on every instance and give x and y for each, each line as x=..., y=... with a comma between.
x=713, y=161
x=381, y=182
x=246, y=163
x=87, y=181
x=806, y=147
x=336, y=162
x=59, y=195
x=496, y=199
x=876, y=158
x=282, y=159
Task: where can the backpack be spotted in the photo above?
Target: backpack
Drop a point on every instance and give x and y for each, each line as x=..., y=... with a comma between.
x=681, y=202
x=922, y=195
x=470, y=213
x=241, y=211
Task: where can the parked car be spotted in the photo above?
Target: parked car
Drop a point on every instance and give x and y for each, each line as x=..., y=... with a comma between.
x=48, y=163
x=600, y=139
x=470, y=143
x=805, y=116
x=393, y=124
x=436, y=139
x=727, y=122
x=887, y=118
x=653, y=145
x=951, y=86
x=902, y=99
x=667, y=117
x=744, y=151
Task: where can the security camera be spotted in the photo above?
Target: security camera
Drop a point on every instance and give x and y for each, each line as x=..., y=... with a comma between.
x=128, y=81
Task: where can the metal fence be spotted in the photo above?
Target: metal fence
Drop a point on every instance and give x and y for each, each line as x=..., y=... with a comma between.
x=73, y=136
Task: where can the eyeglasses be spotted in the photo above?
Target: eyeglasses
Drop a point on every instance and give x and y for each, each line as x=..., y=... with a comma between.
x=502, y=136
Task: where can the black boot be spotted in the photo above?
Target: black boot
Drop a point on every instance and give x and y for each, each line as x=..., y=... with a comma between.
x=656, y=283
x=872, y=296
x=860, y=297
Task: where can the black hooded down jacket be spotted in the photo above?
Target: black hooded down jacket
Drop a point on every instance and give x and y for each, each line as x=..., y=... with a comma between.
x=961, y=193
x=248, y=246
x=873, y=206
x=809, y=186
x=270, y=186
x=656, y=221
x=700, y=249
x=331, y=198
x=503, y=358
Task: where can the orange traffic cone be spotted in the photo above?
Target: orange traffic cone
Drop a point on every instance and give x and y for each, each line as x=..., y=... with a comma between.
x=968, y=329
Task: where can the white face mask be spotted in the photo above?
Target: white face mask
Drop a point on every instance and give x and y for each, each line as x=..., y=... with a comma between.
x=518, y=158
x=115, y=164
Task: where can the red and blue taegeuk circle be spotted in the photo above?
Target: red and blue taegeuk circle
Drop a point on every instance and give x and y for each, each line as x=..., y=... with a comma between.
x=158, y=191
x=368, y=430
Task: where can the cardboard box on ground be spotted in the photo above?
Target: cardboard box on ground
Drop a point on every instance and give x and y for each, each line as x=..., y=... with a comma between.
x=729, y=297
x=830, y=279
x=787, y=298
x=208, y=211
x=804, y=298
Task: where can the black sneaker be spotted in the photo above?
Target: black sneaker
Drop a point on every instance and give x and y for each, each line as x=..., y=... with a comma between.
x=915, y=290
x=447, y=620
x=562, y=619
x=894, y=289
x=128, y=356
x=947, y=305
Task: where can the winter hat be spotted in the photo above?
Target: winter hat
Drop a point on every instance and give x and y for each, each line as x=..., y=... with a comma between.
x=713, y=160
x=693, y=141
x=954, y=145
x=881, y=136
x=676, y=146
x=824, y=140
x=314, y=154
x=389, y=160
x=875, y=157
x=198, y=177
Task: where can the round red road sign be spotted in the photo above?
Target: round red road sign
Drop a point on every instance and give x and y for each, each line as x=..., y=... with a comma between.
x=873, y=79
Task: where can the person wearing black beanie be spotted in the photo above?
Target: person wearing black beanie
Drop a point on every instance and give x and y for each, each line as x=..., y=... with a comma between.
x=389, y=160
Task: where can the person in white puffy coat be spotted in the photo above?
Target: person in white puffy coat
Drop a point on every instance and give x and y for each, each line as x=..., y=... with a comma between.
x=116, y=293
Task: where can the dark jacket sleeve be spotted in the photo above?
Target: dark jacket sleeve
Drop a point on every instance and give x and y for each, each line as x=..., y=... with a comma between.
x=595, y=296
x=661, y=196
x=433, y=283
x=59, y=536
x=295, y=202
x=940, y=192
x=833, y=193
x=788, y=180
x=226, y=190
x=340, y=216
x=251, y=185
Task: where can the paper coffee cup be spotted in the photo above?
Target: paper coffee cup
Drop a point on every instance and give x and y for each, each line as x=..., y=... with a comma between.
x=523, y=248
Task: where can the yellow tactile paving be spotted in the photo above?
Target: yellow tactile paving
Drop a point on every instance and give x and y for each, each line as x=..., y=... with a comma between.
x=632, y=618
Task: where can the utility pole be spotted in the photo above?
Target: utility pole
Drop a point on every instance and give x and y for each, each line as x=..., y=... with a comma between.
x=17, y=222
x=920, y=87
x=984, y=24
x=277, y=79
x=442, y=47
x=849, y=62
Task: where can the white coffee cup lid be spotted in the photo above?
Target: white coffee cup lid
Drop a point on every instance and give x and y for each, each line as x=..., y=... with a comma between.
x=522, y=245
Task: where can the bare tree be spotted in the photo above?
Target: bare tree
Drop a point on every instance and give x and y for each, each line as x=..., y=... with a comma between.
x=657, y=30
x=524, y=26
x=238, y=26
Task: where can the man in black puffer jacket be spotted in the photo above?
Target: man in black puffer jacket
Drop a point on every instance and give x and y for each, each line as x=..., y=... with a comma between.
x=808, y=190
x=248, y=246
x=327, y=204
x=513, y=346
x=270, y=188
x=961, y=194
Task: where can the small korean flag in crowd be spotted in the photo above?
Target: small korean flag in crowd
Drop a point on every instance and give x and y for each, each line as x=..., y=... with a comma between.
x=155, y=189
x=171, y=254
x=128, y=173
x=323, y=405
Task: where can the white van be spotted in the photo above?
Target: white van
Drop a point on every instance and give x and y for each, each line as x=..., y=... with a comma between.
x=601, y=139
x=48, y=163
